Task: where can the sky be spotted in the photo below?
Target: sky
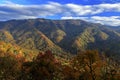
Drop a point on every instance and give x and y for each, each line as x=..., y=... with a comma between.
x=106, y=12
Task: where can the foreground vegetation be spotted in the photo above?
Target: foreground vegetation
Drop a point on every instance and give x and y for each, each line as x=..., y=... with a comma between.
x=88, y=65
x=23, y=44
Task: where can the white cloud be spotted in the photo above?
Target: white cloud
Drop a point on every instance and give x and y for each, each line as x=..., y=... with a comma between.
x=10, y=10
x=112, y=20
x=93, y=9
x=79, y=9
x=70, y=17
x=109, y=7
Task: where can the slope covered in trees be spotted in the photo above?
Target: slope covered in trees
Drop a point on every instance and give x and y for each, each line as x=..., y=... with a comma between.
x=42, y=49
x=89, y=65
x=60, y=36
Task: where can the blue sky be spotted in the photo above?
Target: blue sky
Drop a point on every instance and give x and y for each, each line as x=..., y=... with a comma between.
x=98, y=11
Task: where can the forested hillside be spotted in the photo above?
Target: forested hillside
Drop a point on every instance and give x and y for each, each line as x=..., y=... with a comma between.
x=60, y=36
x=89, y=65
x=43, y=49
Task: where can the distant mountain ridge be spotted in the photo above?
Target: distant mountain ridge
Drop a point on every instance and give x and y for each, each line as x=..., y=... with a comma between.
x=60, y=35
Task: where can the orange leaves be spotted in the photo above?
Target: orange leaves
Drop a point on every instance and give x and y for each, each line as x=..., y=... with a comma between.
x=88, y=65
x=43, y=67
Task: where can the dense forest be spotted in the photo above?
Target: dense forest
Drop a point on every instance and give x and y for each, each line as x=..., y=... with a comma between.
x=43, y=49
x=88, y=65
x=61, y=36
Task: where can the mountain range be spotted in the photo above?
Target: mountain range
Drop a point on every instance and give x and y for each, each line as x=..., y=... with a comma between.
x=60, y=36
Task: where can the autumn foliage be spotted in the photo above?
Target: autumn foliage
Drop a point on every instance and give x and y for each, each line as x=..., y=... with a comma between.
x=88, y=65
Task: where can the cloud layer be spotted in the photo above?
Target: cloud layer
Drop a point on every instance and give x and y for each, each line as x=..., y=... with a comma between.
x=10, y=10
x=112, y=20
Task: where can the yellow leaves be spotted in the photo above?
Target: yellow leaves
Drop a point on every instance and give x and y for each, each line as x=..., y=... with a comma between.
x=19, y=55
x=8, y=35
x=58, y=35
x=103, y=35
x=10, y=49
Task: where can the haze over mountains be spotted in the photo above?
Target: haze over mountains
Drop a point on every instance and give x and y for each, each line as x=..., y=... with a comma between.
x=61, y=36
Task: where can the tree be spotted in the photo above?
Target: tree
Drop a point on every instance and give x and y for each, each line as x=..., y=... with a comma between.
x=87, y=63
x=111, y=69
x=9, y=68
x=43, y=67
